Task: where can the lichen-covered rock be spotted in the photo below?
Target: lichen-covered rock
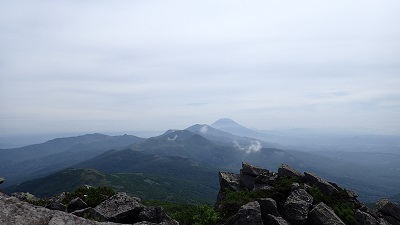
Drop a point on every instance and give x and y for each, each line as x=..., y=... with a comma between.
x=322, y=214
x=121, y=208
x=76, y=204
x=388, y=208
x=24, y=196
x=253, y=171
x=249, y=214
x=296, y=207
x=287, y=171
x=14, y=211
x=275, y=220
x=326, y=187
x=363, y=218
x=229, y=181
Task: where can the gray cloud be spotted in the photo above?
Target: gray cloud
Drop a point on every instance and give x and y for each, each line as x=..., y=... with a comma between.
x=158, y=65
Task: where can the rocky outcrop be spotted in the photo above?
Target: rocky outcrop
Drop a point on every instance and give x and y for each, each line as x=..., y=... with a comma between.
x=90, y=213
x=2, y=180
x=285, y=200
x=76, y=204
x=253, y=171
x=229, y=181
x=297, y=206
x=15, y=211
x=363, y=218
x=268, y=206
x=249, y=214
x=390, y=211
x=325, y=186
x=321, y=214
x=119, y=208
x=287, y=171
x=275, y=220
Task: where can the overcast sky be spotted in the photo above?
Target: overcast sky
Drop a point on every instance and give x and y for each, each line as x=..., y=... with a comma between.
x=109, y=66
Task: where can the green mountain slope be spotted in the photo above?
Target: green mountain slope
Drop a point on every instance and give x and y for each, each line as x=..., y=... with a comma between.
x=144, y=185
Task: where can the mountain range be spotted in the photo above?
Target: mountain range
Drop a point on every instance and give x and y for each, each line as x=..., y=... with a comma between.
x=188, y=159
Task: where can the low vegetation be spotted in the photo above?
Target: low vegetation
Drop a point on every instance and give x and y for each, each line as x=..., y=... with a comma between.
x=93, y=196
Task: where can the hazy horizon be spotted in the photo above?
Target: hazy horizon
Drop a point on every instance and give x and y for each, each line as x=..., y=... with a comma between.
x=109, y=67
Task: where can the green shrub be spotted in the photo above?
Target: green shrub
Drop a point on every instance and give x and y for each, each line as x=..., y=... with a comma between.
x=197, y=215
x=92, y=196
x=339, y=202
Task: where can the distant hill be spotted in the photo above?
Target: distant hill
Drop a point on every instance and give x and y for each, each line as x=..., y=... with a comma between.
x=143, y=185
x=41, y=159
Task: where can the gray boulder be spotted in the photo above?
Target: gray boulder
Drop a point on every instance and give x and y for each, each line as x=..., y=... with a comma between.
x=275, y=220
x=287, y=171
x=156, y=215
x=388, y=208
x=2, y=180
x=249, y=214
x=321, y=214
x=55, y=205
x=55, y=202
x=363, y=218
x=268, y=207
x=323, y=185
x=296, y=207
x=90, y=213
x=76, y=204
x=14, y=211
x=229, y=181
x=121, y=208
x=253, y=171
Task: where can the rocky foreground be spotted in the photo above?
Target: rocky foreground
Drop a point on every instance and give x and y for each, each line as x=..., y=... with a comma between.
x=119, y=208
x=257, y=196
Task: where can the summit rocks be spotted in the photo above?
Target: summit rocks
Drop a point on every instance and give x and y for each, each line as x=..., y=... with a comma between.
x=291, y=197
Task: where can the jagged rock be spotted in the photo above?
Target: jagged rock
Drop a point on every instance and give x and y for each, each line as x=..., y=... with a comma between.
x=76, y=204
x=247, y=181
x=56, y=206
x=249, y=214
x=90, y=213
x=2, y=180
x=268, y=207
x=351, y=193
x=386, y=207
x=296, y=207
x=321, y=214
x=287, y=171
x=229, y=181
x=253, y=171
x=120, y=208
x=363, y=218
x=264, y=179
x=156, y=215
x=55, y=202
x=275, y=220
x=326, y=188
x=14, y=211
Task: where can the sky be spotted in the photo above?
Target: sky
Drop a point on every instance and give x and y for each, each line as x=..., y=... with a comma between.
x=109, y=66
